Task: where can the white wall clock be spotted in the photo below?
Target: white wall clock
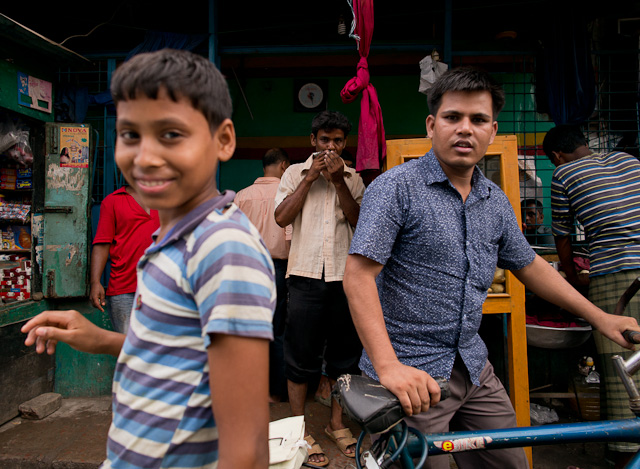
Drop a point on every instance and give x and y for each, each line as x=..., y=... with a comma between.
x=310, y=96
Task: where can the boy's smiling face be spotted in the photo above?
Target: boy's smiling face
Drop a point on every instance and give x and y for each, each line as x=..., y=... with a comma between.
x=167, y=153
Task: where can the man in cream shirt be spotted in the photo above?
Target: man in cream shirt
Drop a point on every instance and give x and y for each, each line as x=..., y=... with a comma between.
x=321, y=199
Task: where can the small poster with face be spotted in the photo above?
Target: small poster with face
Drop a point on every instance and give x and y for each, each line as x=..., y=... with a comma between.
x=74, y=146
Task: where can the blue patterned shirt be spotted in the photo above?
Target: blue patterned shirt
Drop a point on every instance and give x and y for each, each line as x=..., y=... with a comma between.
x=439, y=256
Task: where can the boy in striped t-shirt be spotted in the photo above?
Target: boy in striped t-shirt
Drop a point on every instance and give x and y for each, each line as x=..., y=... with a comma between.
x=191, y=383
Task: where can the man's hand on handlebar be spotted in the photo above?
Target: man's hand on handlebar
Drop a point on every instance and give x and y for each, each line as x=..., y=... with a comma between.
x=415, y=389
x=612, y=327
x=633, y=337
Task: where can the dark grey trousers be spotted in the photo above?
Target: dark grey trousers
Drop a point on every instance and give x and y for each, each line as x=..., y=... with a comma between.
x=472, y=407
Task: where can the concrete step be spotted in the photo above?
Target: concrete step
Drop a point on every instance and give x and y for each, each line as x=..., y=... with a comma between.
x=73, y=437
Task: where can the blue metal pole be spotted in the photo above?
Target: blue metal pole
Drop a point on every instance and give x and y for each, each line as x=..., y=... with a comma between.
x=627, y=430
x=213, y=52
x=634, y=463
x=110, y=170
x=448, y=27
x=213, y=33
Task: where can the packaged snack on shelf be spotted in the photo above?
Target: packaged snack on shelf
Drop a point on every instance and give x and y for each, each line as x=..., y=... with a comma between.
x=24, y=178
x=24, y=183
x=8, y=173
x=23, y=173
x=22, y=235
x=10, y=260
x=17, y=212
x=8, y=185
x=7, y=238
x=16, y=237
x=15, y=278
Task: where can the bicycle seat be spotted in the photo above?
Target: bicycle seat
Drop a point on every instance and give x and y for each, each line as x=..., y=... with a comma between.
x=370, y=404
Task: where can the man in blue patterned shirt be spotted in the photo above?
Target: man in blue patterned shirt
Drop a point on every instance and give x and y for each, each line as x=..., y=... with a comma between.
x=429, y=237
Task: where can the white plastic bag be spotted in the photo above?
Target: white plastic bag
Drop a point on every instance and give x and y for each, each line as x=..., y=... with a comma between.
x=541, y=415
x=287, y=447
x=14, y=142
x=430, y=70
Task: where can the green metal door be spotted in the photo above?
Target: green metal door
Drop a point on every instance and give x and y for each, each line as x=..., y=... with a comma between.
x=65, y=226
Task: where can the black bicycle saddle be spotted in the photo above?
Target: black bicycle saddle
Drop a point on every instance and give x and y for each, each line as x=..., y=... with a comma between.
x=370, y=404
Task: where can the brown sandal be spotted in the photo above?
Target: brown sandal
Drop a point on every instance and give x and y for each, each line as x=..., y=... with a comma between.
x=316, y=449
x=343, y=438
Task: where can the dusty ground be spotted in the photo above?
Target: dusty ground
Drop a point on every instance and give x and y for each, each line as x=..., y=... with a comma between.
x=74, y=437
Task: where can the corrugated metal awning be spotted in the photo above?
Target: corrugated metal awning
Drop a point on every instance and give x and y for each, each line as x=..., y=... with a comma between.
x=18, y=34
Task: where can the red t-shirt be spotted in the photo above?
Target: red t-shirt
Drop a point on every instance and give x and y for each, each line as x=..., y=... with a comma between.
x=124, y=225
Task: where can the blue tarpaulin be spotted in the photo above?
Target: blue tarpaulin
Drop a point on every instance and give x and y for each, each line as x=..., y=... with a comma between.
x=566, y=75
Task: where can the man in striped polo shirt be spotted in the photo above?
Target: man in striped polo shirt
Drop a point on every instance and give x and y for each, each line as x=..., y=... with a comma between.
x=602, y=193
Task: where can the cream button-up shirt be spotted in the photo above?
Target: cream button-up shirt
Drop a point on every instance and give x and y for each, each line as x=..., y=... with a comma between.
x=321, y=233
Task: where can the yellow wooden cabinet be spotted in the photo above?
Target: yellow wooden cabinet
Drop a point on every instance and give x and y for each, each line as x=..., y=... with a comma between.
x=500, y=164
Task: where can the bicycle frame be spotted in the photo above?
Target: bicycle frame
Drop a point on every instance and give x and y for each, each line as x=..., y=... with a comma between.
x=433, y=444
x=452, y=442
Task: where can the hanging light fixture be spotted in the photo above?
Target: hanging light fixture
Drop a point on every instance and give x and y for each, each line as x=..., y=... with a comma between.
x=342, y=26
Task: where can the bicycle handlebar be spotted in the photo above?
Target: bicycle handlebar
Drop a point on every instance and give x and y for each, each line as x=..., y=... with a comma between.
x=633, y=337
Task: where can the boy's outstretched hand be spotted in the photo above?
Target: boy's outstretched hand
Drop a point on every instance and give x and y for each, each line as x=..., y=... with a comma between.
x=50, y=327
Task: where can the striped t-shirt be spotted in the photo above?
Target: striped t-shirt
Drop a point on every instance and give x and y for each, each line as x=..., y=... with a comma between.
x=602, y=192
x=210, y=274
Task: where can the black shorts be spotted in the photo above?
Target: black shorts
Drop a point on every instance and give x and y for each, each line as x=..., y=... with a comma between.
x=318, y=320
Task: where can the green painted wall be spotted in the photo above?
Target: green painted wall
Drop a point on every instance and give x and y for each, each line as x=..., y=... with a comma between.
x=404, y=109
x=238, y=174
x=264, y=106
x=76, y=373
x=80, y=374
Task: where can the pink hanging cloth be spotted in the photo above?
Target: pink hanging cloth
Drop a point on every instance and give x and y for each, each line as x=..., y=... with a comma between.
x=372, y=146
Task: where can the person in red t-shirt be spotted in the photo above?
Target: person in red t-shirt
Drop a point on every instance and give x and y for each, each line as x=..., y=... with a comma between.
x=124, y=232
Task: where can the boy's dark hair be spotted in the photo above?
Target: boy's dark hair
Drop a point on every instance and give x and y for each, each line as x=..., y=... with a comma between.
x=465, y=79
x=182, y=74
x=565, y=138
x=274, y=156
x=526, y=202
x=330, y=120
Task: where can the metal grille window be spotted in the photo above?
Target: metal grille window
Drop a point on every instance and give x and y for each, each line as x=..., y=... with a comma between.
x=516, y=73
x=101, y=116
x=614, y=124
